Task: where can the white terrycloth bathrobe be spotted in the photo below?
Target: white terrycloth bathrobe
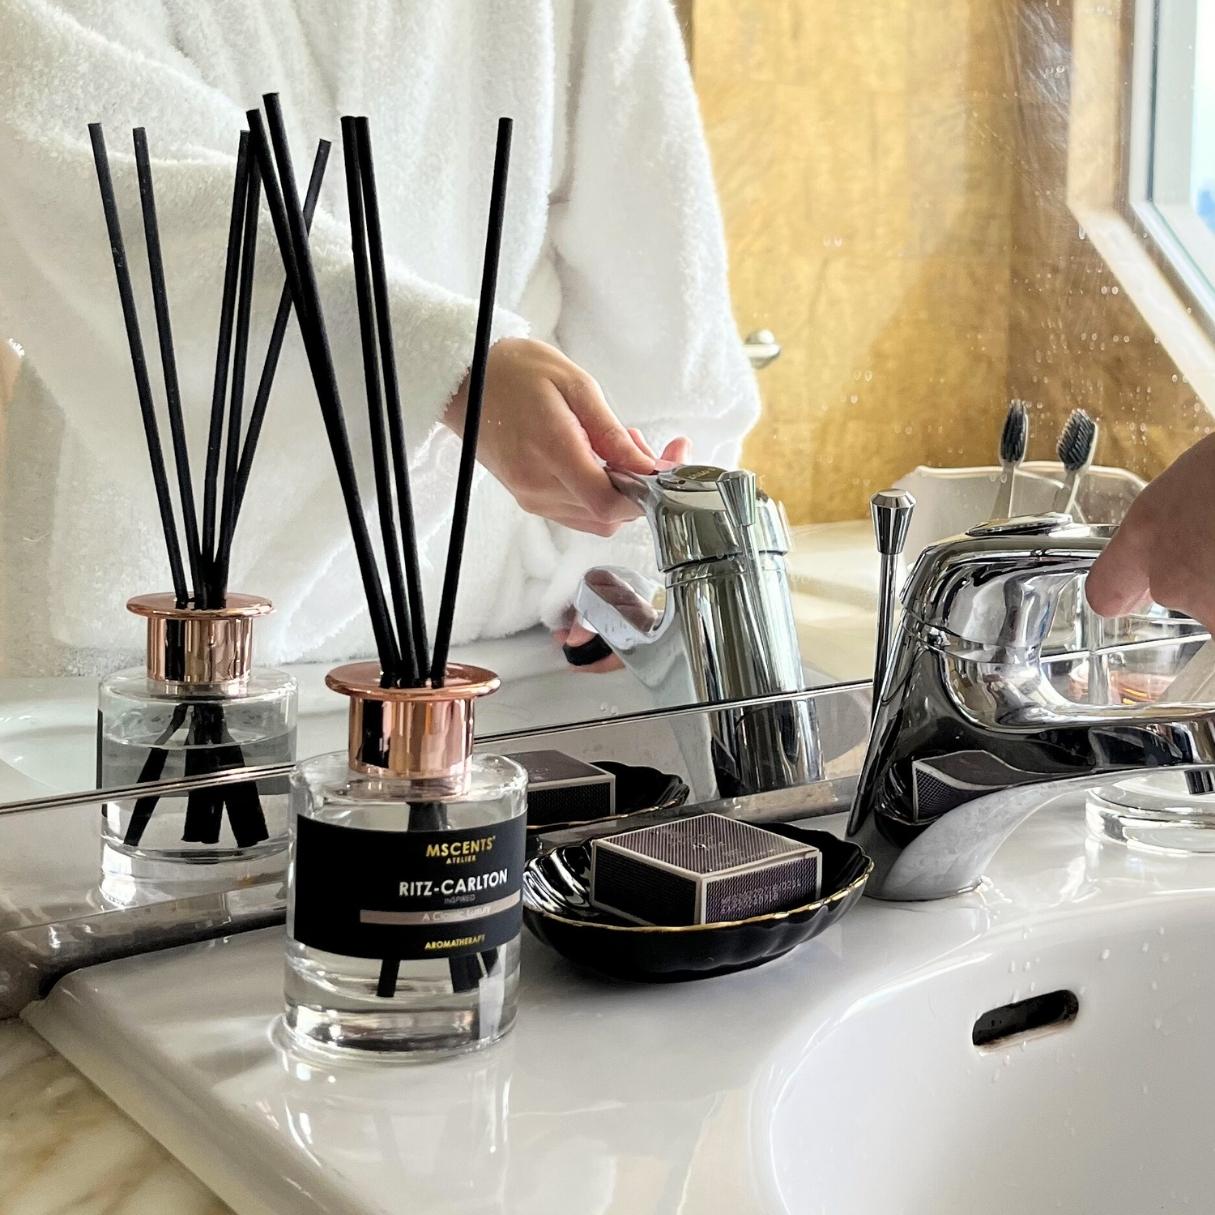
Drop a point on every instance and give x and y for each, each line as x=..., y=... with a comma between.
x=613, y=251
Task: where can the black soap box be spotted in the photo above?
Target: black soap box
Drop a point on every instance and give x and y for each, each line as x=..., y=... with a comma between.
x=702, y=870
x=562, y=789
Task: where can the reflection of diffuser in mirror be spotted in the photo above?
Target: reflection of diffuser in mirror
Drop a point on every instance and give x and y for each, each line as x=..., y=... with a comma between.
x=199, y=708
x=409, y=789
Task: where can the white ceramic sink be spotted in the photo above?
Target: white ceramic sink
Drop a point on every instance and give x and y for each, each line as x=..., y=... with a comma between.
x=894, y=1110
x=840, y=1079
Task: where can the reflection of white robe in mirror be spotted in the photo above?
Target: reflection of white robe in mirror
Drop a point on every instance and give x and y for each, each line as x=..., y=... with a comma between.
x=613, y=251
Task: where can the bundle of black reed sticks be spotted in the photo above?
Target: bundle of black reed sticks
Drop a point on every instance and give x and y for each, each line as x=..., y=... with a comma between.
x=209, y=746
x=397, y=619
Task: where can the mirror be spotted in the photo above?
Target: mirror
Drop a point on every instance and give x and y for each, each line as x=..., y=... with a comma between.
x=929, y=211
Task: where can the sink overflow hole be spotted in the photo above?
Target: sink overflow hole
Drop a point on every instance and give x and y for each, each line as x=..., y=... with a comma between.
x=1025, y=1017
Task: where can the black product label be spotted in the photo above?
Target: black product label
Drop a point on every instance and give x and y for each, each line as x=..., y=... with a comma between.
x=408, y=894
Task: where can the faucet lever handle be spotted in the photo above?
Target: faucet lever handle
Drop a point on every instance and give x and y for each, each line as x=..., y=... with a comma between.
x=738, y=491
x=891, y=511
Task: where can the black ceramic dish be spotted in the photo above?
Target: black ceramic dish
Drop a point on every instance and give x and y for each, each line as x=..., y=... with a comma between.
x=557, y=908
x=639, y=790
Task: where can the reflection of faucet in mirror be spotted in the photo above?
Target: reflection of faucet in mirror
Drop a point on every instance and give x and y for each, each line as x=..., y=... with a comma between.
x=721, y=625
x=968, y=715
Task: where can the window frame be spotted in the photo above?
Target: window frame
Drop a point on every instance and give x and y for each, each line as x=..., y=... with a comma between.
x=1159, y=123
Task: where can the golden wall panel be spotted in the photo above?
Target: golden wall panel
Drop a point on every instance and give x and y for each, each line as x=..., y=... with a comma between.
x=893, y=182
x=862, y=156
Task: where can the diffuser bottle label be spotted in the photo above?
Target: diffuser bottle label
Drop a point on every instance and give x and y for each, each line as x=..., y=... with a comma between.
x=407, y=894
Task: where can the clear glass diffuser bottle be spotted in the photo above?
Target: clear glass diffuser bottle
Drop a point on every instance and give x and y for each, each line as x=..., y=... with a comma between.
x=199, y=707
x=404, y=904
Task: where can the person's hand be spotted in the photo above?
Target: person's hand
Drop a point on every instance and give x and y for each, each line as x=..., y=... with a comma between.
x=1165, y=548
x=546, y=433
x=578, y=634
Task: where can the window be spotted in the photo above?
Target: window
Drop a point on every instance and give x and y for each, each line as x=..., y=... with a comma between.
x=1171, y=183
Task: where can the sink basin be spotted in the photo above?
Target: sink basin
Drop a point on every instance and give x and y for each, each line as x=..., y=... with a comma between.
x=842, y=1078
x=894, y=1108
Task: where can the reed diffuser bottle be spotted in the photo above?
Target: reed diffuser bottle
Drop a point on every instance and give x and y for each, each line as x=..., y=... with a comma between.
x=199, y=707
x=404, y=904
x=404, y=910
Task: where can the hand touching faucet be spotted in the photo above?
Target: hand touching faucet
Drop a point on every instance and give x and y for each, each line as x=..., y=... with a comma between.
x=547, y=432
x=1165, y=548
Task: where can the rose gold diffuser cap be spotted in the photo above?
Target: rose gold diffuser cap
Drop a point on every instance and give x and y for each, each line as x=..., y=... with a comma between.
x=424, y=733
x=200, y=646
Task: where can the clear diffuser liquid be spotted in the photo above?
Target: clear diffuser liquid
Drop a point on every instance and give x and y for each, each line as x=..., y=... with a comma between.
x=418, y=1007
x=150, y=731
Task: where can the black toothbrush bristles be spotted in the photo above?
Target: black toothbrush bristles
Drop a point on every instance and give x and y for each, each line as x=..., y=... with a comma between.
x=1078, y=441
x=476, y=395
x=139, y=364
x=1014, y=438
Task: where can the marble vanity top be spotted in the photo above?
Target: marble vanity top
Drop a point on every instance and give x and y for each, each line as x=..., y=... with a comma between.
x=627, y=1099
x=66, y=1149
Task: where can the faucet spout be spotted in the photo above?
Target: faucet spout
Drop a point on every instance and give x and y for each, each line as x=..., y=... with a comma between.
x=721, y=627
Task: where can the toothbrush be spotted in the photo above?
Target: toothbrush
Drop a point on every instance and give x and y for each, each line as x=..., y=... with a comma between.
x=1077, y=445
x=1014, y=439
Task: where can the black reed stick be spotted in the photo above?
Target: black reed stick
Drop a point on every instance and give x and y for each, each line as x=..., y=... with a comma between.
x=465, y=971
x=240, y=354
x=152, y=770
x=391, y=544
x=257, y=415
x=472, y=415
x=223, y=355
x=139, y=364
x=283, y=201
x=392, y=399
x=206, y=727
x=274, y=160
x=164, y=331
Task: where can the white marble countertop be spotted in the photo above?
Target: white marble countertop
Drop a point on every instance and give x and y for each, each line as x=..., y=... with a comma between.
x=66, y=1149
x=688, y=1086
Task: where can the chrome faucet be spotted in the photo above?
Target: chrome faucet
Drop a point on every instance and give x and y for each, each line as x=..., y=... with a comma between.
x=970, y=736
x=720, y=626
